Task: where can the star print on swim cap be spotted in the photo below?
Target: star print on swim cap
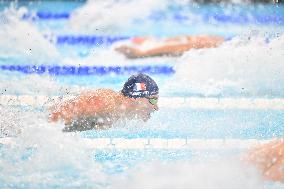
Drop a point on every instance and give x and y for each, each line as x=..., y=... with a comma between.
x=140, y=86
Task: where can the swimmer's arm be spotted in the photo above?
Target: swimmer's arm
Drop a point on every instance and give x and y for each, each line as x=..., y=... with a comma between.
x=72, y=109
x=131, y=52
x=88, y=123
x=168, y=50
x=269, y=159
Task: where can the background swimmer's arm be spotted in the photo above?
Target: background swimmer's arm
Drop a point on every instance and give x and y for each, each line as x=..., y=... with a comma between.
x=178, y=48
x=172, y=49
x=131, y=52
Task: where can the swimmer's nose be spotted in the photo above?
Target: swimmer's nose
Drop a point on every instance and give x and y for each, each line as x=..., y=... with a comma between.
x=156, y=107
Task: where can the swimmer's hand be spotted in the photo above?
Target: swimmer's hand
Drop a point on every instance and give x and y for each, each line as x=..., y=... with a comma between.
x=87, y=123
x=57, y=115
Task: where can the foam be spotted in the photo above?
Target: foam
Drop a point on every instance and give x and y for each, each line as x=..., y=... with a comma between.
x=244, y=66
x=42, y=153
x=202, y=174
x=109, y=16
x=22, y=41
x=31, y=84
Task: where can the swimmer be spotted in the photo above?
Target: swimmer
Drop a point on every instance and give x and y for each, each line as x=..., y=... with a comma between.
x=141, y=47
x=269, y=159
x=101, y=108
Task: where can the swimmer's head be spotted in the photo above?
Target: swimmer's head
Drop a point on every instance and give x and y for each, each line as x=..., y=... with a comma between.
x=143, y=93
x=140, y=86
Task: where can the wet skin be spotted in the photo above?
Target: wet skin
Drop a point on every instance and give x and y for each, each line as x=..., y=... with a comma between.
x=269, y=159
x=100, y=109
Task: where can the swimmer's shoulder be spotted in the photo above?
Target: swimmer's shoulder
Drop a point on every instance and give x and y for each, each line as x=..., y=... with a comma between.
x=102, y=96
x=100, y=92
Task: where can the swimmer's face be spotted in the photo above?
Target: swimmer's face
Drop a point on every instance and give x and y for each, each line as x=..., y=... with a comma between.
x=143, y=107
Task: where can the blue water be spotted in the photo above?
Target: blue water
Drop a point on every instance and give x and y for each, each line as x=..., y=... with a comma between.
x=207, y=124
x=44, y=157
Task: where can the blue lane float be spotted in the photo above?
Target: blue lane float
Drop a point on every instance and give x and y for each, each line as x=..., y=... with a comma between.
x=221, y=17
x=89, y=40
x=87, y=70
x=47, y=16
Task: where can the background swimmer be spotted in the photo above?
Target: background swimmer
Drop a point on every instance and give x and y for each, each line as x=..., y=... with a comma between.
x=173, y=46
x=99, y=109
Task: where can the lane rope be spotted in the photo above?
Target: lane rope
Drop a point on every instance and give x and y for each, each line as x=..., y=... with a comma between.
x=164, y=102
x=210, y=18
x=160, y=143
x=87, y=70
x=88, y=40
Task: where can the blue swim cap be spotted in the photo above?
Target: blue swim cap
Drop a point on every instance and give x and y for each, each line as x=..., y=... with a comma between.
x=140, y=86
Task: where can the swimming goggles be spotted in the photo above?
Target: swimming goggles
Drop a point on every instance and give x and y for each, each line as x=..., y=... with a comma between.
x=153, y=101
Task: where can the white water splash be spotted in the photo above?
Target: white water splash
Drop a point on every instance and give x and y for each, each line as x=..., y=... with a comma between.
x=18, y=84
x=44, y=157
x=10, y=121
x=204, y=174
x=108, y=16
x=109, y=57
x=241, y=67
x=21, y=40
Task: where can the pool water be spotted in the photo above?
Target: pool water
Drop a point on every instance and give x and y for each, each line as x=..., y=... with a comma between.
x=247, y=66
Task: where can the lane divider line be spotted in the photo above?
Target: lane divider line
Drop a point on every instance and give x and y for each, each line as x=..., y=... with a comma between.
x=160, y=143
